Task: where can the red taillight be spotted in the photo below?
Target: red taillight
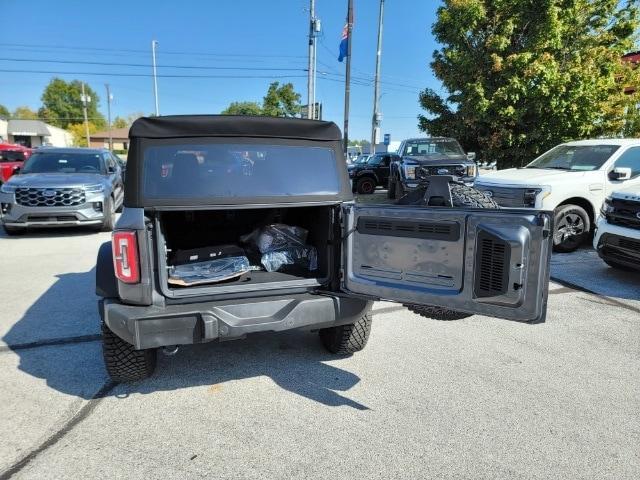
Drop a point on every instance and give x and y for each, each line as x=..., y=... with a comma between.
x=125, y=256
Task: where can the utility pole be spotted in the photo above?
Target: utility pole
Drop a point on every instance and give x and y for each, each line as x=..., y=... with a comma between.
x=109, y=98
x=347, y=80
x=85, y=99
x=311, y=76
x=154, y=44
x=377, y=116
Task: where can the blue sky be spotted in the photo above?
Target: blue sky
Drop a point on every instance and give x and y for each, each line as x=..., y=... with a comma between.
x=261, y=38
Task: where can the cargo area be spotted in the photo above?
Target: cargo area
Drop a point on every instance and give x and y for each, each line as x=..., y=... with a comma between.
x=186, y=235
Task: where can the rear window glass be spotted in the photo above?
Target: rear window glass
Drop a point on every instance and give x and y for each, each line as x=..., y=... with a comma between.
x=243, y=170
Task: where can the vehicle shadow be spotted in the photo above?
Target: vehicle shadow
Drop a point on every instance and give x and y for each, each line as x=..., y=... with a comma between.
x=50, y=233
x=57, y=340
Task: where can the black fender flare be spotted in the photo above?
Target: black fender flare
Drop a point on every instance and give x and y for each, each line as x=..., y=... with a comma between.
x=106, y=282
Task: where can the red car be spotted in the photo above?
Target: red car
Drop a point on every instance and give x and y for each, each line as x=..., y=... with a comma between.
x=12, y=157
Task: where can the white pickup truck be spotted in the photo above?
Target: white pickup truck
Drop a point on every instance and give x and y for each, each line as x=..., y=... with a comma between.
x=572, y=179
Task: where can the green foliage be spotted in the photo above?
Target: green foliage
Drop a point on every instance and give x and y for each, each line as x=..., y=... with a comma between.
x=119, y=122
x=281, y=101
x=25, y=113
x=524, y=75
x=243, y=108
x=359, y=143
x=62, y=101
x=4, y=112
x=78, y=132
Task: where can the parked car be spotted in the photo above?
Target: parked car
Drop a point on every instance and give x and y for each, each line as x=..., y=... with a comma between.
x=429, y=156
x=572, y=179
x=617, y=238
x=197, y=257
x=12, y=158
x=63, y=187
x=371, y=172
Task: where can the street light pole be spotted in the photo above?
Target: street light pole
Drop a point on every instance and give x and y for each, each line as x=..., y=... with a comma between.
x=109, y=98
x=347, y=80
x=85, y=99
x=376, y=121
x=154, y=44
x=311, y=71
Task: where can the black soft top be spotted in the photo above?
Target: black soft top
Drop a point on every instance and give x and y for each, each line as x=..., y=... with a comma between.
x=177, y=126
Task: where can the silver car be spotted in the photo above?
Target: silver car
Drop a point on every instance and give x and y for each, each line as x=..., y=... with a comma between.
x=63, y=187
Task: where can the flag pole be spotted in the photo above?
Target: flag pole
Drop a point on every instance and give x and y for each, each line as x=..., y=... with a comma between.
x=347, y=80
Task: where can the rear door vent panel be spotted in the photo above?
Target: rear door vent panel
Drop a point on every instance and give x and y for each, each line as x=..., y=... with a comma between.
x=492, y=266
x=448, y=231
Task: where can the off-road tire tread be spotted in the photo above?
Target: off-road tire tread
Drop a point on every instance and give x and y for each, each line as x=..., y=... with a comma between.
x=437, y=313
x=122, y=361
x=347, y=339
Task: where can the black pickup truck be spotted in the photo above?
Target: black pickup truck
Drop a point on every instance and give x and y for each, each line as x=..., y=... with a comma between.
x=234, y=225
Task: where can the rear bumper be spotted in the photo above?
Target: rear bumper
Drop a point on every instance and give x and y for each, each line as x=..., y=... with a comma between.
x=150, y=327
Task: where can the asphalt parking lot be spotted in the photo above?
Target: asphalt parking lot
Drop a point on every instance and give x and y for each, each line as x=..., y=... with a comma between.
x=476, y=398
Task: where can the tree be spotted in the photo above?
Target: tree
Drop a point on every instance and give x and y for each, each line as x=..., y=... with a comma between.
x=62, y=100
x=281, y=101
x=4, y=112
x=79, y=133
x=25, y=113
x=523, y=76
x=243, y=108
x=120, y=122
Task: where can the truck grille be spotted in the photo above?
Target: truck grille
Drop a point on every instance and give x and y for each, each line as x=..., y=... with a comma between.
x=455, y=170
x=50, y=197
x=504, y=196
x=625, y=213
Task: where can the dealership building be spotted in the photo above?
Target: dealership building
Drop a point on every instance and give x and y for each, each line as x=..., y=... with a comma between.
x=34, y=133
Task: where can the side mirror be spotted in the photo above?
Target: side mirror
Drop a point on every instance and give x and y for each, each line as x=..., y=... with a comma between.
x=620, y=174
x=471, y=156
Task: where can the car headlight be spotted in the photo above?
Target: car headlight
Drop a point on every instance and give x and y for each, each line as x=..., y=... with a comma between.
x=471, y=170
x=532, y=195
x=410, y=172
x=607, y=207
x=6, y=188
x=98, y=187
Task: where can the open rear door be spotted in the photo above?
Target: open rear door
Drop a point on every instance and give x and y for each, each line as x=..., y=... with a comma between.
x=489, y=262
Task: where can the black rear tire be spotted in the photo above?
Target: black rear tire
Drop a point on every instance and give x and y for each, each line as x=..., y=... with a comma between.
x=461, y=196
x=571, y=228
x=391, y=188
x=123, y=362
x=109, y=216
x=366, y=186
x=399, y=190
x=347, y=339
x=437, y=313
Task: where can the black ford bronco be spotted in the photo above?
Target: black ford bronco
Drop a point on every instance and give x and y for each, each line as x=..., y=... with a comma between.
x=234, y=225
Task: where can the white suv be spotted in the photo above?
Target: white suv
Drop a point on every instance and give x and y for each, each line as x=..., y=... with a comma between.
x=573, y=179
x=617, y=238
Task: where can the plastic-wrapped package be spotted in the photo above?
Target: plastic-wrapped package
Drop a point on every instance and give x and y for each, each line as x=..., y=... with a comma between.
x=283, y=246
x=210, y=271
x=304, y=256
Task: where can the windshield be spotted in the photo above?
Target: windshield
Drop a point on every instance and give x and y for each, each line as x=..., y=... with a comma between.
x=362, y=159
x=568, y=157
x=11, y=156
x=243, y=170
x=432, y=146
x=52, y=162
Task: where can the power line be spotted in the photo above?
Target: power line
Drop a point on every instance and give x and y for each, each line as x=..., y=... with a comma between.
x=129, y=50
x=146, y=65
x=123, y=74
